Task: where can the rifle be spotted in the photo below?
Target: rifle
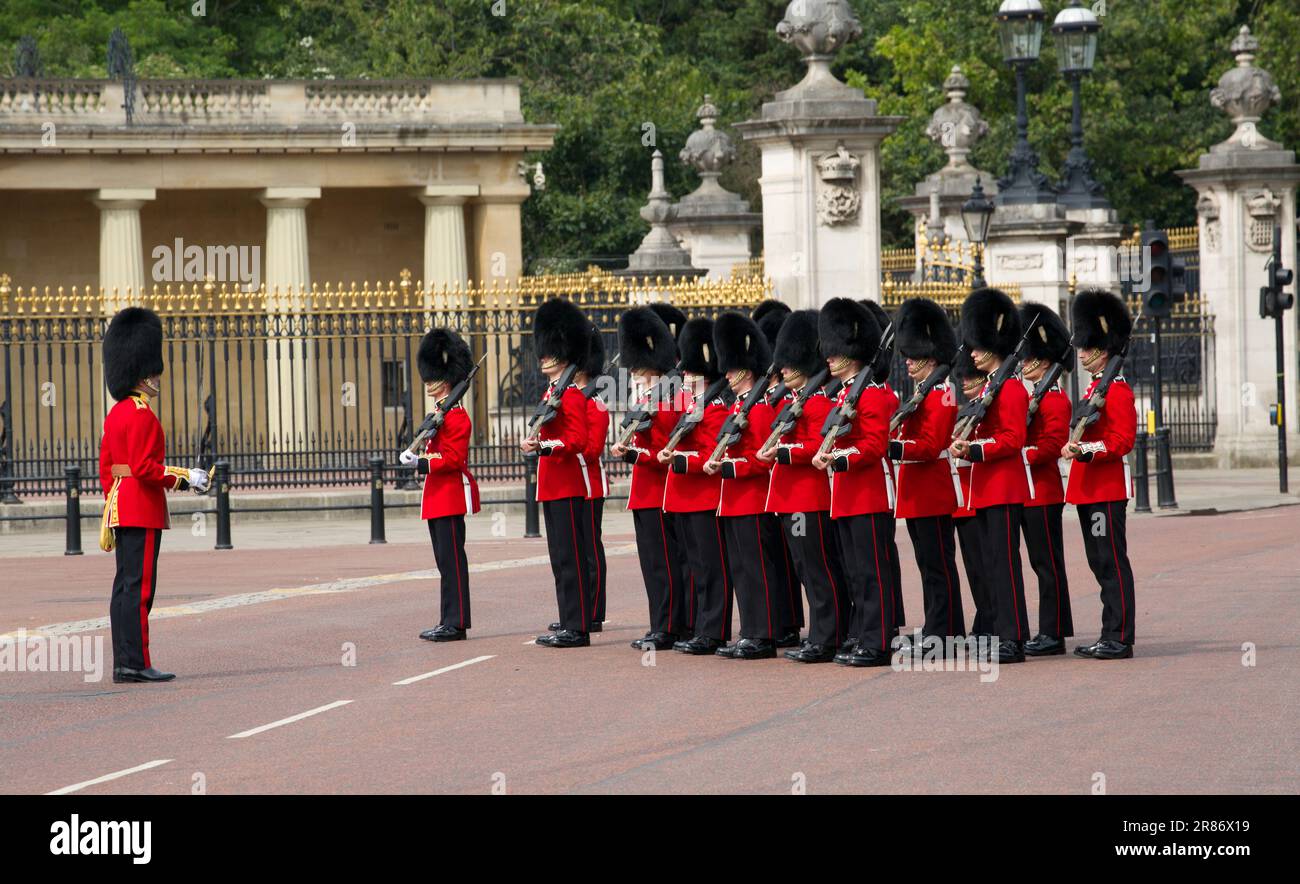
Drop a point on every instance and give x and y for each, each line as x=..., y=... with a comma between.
x=434, y=420
x=639, y=419
x=691, y=419
x=793, y=410
x=736, y=423
x=973, y=412
x=936, y=377
x=549, y=407
x=1087, y=411
x=1048, y=382
x=841, y=417
x=592, y=385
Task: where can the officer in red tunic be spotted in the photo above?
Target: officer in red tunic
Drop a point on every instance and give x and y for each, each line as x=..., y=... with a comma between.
x=590, y=379
x=881, y=376
x=753, y=535
x=560, y=335
x=928, y=483
x=648, y=351
x=990, y=325
x=800, y=494
x=1100, y=484
x=1048, y=343
x=450, y=492
x=693, y=494
x=970, y=381
x=135, y=480
x=862, y=484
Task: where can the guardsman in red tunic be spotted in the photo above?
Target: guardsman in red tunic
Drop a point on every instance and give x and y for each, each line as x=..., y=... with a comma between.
x=883, y=319
x=135, y=481
x=692, y=494
x=800, y=494
x=990, y=324
x=589, y=379
x=1100, y=484
x=753, y=535
x=970, y=381
x=560, y=335
x=648, y=351
x=450, y=492
x=862, y=484
x=1048, y=343
x=928, y=482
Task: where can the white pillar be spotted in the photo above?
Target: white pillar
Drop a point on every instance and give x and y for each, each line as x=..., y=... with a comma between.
x=292, y=387
x=446, y=260
x=121, y=249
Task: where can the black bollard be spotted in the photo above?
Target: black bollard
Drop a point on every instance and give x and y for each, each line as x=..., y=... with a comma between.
x=1141, y=476
x=377, y=500
x=1164, y=471
x=221, y=482
x=72, y=547
x=532, y=518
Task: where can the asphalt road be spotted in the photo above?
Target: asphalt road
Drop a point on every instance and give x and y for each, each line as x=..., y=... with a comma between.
x=260, y=637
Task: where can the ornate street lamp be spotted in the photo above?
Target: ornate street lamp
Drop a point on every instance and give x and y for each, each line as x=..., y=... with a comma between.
x=1020, y=27
x=1075, y=30
x=976, y=215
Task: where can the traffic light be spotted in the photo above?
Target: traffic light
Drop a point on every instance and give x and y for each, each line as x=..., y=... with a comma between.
x=1272, y=300
x=1158, y=294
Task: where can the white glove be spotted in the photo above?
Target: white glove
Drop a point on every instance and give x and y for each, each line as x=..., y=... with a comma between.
x=408, y=458
x=199, y=480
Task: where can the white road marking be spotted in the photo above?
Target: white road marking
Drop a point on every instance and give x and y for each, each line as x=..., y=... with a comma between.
x=415, y=678
x=347, y=584
x=77, y=787
x=290, y=720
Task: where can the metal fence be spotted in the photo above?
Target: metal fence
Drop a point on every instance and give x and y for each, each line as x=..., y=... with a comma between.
x=299, y=389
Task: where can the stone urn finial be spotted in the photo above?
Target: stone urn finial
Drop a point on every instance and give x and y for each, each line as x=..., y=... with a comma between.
x=659, y=250
x=1244, y=93
x=708, y=151
x=819, y=29
x=956, y=126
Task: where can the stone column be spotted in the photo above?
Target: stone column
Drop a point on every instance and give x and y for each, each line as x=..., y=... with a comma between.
x=1246, y=186
x=121, y=250
x=292, y=385
x=446, y=261
x=1027, y=247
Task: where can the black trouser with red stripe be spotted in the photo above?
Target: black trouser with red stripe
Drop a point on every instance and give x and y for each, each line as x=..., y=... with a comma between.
x=936, y=558
x=598, y=578
x=864, y=542
x=448, y=536
x=1042, y=529
x=567, y=541
x=706, y=557
x=754, y=553
x=970, y=538
x=1000, y=533
x=814, y=546
x=895, y=574
x=689, y=600
x=662, y=569
x=133, y=590
x=785, y=561
x=1105, y=539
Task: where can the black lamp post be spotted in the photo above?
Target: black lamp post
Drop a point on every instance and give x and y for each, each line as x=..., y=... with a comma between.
x=976, y=215
x=1075, y=30
x=1020, y=27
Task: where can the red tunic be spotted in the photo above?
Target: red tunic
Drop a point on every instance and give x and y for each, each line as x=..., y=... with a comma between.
x=648, y=474
x=560, y=472
x=695, y=491
x=133, y=438
x=746, y=494
x=597, y=431
x=798, y=486
x=863, y=481
x=999, y=475
x=449, y=487
x=925, y=472
x=1106, y=477
x=1047, y=433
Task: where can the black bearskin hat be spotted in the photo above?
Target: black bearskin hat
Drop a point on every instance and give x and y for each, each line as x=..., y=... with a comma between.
x=698, y=353
x=770, y=315
x=924, y=332
x=671, y=316
x=645, y=343
x=560, y=332
x=847, y=328
x=1050, y=339
x=593, y=366
x=1101, y=321
x=796, y=345
x=444, y=357
x=990, y=322
x=883, y=319
x=741, y=345
x=133, y=350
